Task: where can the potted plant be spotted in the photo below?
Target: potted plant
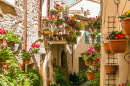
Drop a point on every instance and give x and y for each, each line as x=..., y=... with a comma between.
x=64, y=36
x=96, y=63
x=2, y=34
x=125, y=22
x=66, y=18
x=97, y=47
x=89, y=56
x=72, y=23
x=59, y=36
x=58, y=7
x=67, y=28
x=34, y=48
x=90, y=74
x=78, y=26
x=106, y=47
x=93, y=34
x=66, y=9
x=46, y=30
x=111, y=69
x=78, y=33
x=53, y=12
x=26, y=57
x=72, y=39
x=117, y=42
x=58, y=21
x=5, y=55
x=11, y=38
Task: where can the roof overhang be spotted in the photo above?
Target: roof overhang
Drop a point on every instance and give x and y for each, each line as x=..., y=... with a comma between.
x=76, y=2
x=80, y=17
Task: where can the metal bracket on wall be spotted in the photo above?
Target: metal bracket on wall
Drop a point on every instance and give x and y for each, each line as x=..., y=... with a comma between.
x=128, y=57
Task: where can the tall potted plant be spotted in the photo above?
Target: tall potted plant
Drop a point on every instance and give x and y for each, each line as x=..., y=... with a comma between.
x=90, y=74
x=125, y=22
x=117, y=42
x=97, y=47
x=89, y=56
x=11, y=38
x=26, y=57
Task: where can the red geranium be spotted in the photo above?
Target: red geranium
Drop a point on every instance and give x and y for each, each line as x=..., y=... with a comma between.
x=2, y=31
x=33, y=45
x=119, y=85
x=89, y=31
x=120, y=36
x=21, y=65
x=37, y=45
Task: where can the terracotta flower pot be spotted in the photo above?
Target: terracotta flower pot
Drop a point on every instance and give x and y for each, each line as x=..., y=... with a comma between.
x=89, y=62
x=106, y=47
x=10, y=43
x=91, y=76
x=97, y=50
x=125, y=22
x=4, y=64
x=111, y=69
x=26, y=61
x=46, y=32
x=96, y=67
x=118, y=46
x=1, y=41
x=93, y=36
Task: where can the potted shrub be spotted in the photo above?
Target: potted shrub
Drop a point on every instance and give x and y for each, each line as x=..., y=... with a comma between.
x=11, y=38
x=90, y=74
x=26, y=57
x=111, y=69
x=96, y=63
x=34, y=48
x=97, y=47
x=106, y=47
x=89, y=56
x=125, y=22
x=72, y=39
x=46, y=30
x=93, y=34
x=2, y=34
x=117, y=42
x=5, y=55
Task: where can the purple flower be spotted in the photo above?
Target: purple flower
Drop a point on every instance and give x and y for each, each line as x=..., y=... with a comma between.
x=127, y=80
x=123, y=83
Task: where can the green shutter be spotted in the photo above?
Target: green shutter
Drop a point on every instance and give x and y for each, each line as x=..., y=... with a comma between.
x=86, y=34
x=92, y=39
x=98, y=36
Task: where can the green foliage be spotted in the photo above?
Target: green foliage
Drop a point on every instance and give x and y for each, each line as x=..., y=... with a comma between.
x=74, y=78
x=26, y=55
x=97, y=46
x=46, y=28
x=6, y=54
x=93, y=33
x=82, y=76
x=127, y=14
x=10, y=36
x=89, y=70
x=88, y=57
x=66, y=9
x=72, y=38
x=59, y=75
x=96, y=81
x=78, y=33
x=58, y=20
x=53, y=10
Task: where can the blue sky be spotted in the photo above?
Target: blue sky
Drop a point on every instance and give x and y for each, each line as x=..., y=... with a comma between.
x=70, y=1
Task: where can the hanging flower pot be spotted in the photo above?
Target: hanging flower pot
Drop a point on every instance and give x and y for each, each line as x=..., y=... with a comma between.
x=96, y=66
x=118, y=46
x=26, y=61
x=10, y=43
x=91, y=76
x=47, y=32
x=106, y=47
x=4, y=64
x=93, y=36
x=111, y=69
x=89, y=62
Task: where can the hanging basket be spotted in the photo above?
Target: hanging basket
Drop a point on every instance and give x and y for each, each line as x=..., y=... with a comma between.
x=26, y=61
x=97, y=50
x=111, y=69
x=118, y=46
x=1, y=41
x=10, y=43
x=89, y=62
x=125, y=22
x=93, y=36
x=91, y=76
x=4, y=64
x=46, y=32
x=96, y=67
x=106, y=47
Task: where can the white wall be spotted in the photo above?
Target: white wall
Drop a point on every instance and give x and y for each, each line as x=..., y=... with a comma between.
x=93, y=7
x=11, y=1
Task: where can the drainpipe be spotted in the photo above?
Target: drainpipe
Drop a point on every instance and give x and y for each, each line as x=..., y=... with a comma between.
x=25, y=25
x=39, y=15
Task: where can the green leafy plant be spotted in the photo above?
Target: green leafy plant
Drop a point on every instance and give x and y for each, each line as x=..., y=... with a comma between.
x=53, y=10
x=46, y=28
x=26, y=55
x=78, y=33
x=127, y=14
x=96, y=62
x=90, y=54
x=74, y=78
x=66, y=9
x=97, y=46
x=72, y=38
x=82, y=76
x=116, y=35
x=58, y=21
x=89, y=70
x=10, y=36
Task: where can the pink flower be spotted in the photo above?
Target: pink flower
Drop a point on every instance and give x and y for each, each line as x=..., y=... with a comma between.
x=87, y=53
x=57, y=17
